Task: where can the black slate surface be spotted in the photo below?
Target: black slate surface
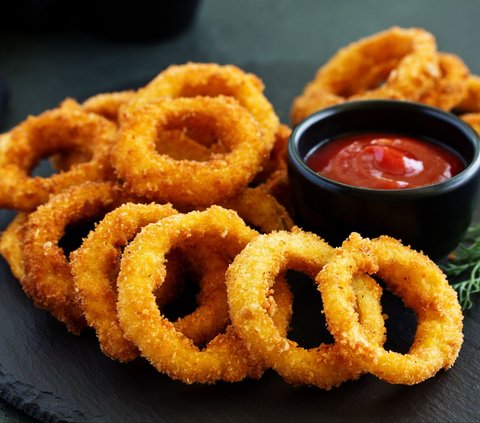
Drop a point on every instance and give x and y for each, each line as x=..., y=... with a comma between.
x=55, y=376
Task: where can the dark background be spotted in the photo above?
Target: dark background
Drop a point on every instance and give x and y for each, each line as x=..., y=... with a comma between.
x=283, y=42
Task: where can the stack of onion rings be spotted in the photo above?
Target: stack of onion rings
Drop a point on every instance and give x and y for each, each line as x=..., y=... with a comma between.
x=204, y=138
x=95, y=268
x=225, y=357
x=260, y=263
x=235, y=138
x=397, y=63
x=421, y=285
x=237, y=134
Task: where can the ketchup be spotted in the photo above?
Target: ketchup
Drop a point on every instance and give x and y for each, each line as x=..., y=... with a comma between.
x=384, y=161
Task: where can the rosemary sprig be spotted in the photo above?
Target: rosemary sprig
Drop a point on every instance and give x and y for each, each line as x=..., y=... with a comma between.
x=464, y=264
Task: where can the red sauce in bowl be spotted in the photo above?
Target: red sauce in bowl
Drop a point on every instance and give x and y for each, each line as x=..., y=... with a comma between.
x=384, y=161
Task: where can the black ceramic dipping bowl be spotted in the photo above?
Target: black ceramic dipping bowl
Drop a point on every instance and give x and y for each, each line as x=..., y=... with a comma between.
x=432, y=218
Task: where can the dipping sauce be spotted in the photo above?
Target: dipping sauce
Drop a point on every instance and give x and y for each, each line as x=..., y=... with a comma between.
x=384, y=161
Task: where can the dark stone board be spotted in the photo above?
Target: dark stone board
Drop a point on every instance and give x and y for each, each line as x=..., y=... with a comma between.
x=55, y=376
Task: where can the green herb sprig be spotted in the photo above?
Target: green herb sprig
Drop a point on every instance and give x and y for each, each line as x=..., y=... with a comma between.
x=464, y=267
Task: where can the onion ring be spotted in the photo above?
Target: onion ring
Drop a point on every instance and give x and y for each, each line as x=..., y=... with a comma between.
x=95, y=265
x=163, y=179
x=249, y=279
x=404, y=60
x=42, y=136
x=48, y=278
x=224, y=357
x=95, y=268
x=208, y=79
x=422, y=287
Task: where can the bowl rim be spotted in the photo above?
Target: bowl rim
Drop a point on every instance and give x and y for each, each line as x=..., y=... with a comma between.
x=471, y=169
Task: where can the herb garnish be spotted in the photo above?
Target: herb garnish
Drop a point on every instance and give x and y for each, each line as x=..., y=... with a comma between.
x=464, y=267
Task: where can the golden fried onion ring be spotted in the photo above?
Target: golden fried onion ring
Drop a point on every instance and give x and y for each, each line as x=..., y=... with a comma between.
x=48, y=278
x=397, y=63
x=95, y=268
x=42, y=136
x=224, y=357
x=160, y=178
x=249, y=283
x=422, y=287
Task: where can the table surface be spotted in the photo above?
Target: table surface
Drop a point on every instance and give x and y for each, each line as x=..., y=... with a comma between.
x=281, y=41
